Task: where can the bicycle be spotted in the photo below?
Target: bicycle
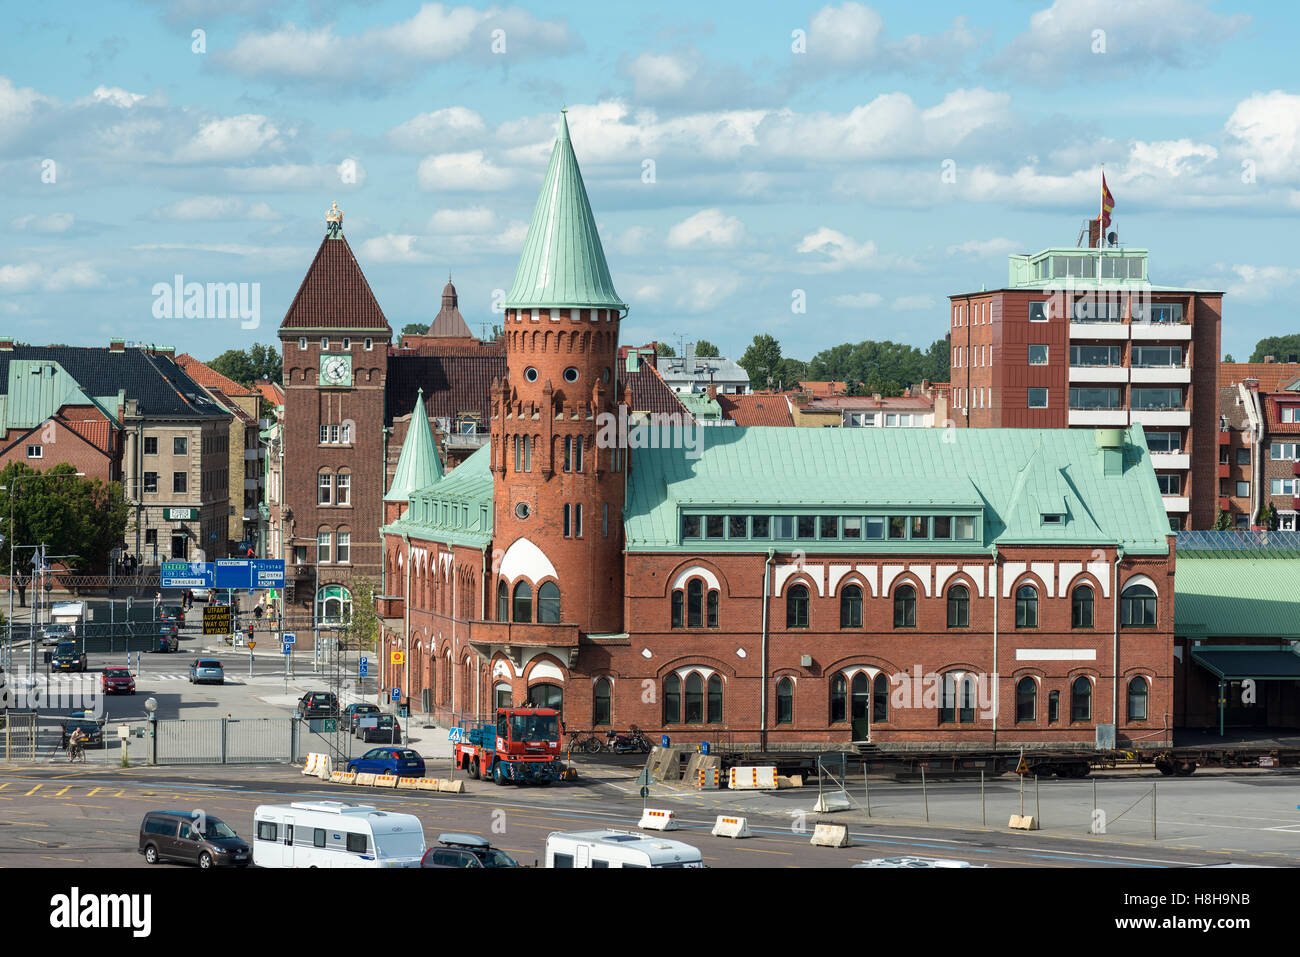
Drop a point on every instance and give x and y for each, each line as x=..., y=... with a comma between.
x=76, y=751
x=584, y=741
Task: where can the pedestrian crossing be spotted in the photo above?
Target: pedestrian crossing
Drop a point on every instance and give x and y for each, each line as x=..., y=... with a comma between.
x=76, y=679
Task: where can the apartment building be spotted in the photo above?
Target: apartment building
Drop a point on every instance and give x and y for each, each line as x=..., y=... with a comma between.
x=1259, y=442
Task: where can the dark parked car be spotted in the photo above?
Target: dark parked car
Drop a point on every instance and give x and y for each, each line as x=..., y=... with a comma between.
x=116, y=680
x=192, y=838
x=167, y=639
x=402, y=762
x=355, y=712
x=91, y=729
x=318, y=704
x=465, y=850
x=173, y=613
x=379, y=727
x=66, y=657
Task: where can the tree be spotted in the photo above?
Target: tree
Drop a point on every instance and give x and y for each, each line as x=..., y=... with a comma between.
x=664, y=349
x=246, y=366
x=1280, y=347
x=885, y=367
x=1224, y=522
x=1268, y=517
x=361, y=631
x=1229, y=358
x=706, y=350
x=762, y=361
x=415, y=329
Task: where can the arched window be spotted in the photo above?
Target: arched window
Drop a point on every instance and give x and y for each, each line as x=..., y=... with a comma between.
x=523, y=602
x=711, y=608
x=958, y=607
x=796, y=607
x=1053, y=707
x=548, y=603
x=672, y=700
x=1026, y=607
x=547, y=696
x=503, y=602
x=839, y=698
x=860, y=704
x=1081, y=699
x=695, y=603
x=905, y=607
x=880, y=698
x=600, y=703
x=785, y=701
x=694, y=699
x=968, y=698
x=1137, y=699
x=1026, y=700
x=948, y=701
x=1081, y=607
x=851, y=607
x=1137, y=607
x=501, y=695
x=679, y=604
x=715, y=699
x=333, y=605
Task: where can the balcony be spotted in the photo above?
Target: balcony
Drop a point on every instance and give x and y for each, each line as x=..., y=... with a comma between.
x=489, y=637
x=1103, y=417
x=1098, y=374
x=1097, y=330
x=390, y=607
x=1181, y=417
x=1162, y=375
x=1171, y=461
x=457, y=440
x=1177, y=504
x=1168, y=331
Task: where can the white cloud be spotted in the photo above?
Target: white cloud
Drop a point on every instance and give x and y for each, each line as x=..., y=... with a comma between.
x=24, y=277
x=291, y=176
x=985, y=248
x=1265, y=129
x=657, y=75
x=230, y=138
x=116, y=96
x=709, y=228
x=49, y=223
x=17, y=102
x=1260, y=283
x=852, y=36
x=1063, y=45
x=393, y=248
x=839, y=252
x=1169, y=157
x=859, y=300
x=846, y=34
x=475, y=219
x=632, y=241
x=430, y=131
x=213, y=209
x=462, y=171
x=287, y=53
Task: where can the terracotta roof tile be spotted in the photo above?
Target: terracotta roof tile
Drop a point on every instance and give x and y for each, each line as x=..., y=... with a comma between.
x=649, y=391
x=335, y=294
x=1271, y=375
x=210, y=378
x=757, y=409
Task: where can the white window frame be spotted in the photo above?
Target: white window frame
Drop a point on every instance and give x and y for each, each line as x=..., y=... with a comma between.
x=39, y=450
x=324, y=487
x=1032, y=390
x=342, y=548
x=343, y=488
x=323, y=547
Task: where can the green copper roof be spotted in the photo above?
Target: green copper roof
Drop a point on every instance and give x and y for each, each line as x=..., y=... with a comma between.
x=563, y=263
x=1006, y=478
x=1235, y=595
x=418, y=466
x=37, y=389
x=455, y=509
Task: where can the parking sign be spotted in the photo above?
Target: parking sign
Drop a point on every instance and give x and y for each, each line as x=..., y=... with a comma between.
x=397, y=695
x=365, y=666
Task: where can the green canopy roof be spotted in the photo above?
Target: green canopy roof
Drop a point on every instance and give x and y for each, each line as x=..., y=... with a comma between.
x=418, y=466
x=1236, y=595
x=562, y=263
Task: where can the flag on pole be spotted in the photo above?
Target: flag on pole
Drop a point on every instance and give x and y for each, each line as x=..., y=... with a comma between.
x=1107, y=203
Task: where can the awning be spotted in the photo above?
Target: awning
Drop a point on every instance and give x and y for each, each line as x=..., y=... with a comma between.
x=1234, y=664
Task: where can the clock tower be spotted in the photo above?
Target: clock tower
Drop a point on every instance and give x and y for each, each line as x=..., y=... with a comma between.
x=334, y=342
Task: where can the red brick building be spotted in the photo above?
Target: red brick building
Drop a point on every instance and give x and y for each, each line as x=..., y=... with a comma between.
x=1259, y=442
x=1080, y=338
x=783, y=586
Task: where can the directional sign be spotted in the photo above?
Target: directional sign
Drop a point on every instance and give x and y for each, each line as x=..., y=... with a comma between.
x=290, y=638
x=397, y=657
x=186, y=575
x=232, y=573
x=365, y=666
x=1023, y=766
x=288, y=648
x=217, y=620
x=267, y=572
x=397, y=695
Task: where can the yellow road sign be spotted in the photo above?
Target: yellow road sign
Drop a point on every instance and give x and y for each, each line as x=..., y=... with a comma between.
x=397, y=657
x=1023, y=766
x=252, y=644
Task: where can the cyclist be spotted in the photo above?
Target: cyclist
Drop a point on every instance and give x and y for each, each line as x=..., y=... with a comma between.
x=76, y=744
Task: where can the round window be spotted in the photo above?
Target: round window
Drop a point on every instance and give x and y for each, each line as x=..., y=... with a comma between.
x=530, y=374
x=522, y=510
x=571, y=374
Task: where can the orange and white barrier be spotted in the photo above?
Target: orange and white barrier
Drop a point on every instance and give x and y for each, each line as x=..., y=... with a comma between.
x=710, y=779
x=386, y=780
x=317, y=764
x=731, y=827
x=343, y=777
x=427, y=784
x=752, y=779
x=658, y=820
x=412, y=784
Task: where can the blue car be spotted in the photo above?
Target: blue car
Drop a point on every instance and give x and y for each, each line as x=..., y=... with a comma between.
x=402, y=762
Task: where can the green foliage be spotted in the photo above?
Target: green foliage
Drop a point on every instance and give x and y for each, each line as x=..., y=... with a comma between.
x=706, y=349
x=762, y=361
x=1278, y=346
x=1268, y=517
x=1224, y=522
x=362, y=630
x=71, y=516
x=246, y=366
x=415, y=329
x=664, y=349
x=884, y=367
x=1229, y=358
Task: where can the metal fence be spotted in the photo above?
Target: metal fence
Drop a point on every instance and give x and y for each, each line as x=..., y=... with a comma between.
x=225, y=741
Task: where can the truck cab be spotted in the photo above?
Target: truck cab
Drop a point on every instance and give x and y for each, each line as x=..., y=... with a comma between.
x=523, y=744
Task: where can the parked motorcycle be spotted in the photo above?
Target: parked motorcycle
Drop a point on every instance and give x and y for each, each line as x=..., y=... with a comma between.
x=632, y=742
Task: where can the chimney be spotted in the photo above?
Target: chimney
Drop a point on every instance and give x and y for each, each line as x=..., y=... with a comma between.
x=116, y=345
x=1094, y=233
x=1111, y=444
x=6, y=344
x=711, y=390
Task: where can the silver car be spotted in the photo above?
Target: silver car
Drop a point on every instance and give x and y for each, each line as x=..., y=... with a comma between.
x=54, y=633
x=206, y=669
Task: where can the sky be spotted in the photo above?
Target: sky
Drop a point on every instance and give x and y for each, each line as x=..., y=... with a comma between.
x=822, y=173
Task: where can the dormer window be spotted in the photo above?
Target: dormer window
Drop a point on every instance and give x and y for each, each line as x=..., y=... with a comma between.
x=1053, y=518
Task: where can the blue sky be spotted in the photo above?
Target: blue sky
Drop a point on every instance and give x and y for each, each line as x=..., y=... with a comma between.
x=793, y=147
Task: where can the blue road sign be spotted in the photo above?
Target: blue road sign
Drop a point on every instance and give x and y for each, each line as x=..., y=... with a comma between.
x=454, y=734
x=232, y=573
x=290, y=638
x=267, y=572
x=365, y=666
x=397, y=695
x=288, y=648
x=186, y=575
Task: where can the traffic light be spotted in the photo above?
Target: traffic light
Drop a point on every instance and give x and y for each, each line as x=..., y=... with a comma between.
x=250, y=631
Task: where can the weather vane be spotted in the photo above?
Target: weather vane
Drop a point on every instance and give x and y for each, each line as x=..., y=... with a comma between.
x=334, y=220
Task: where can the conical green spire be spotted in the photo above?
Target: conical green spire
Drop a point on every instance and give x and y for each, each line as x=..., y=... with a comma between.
x=563, y=263
x=418, y=466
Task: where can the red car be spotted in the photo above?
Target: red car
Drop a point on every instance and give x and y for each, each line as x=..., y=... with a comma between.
x=117, y=681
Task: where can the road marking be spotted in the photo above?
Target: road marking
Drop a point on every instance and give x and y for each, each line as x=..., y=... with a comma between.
x=759, y=850
x=5, y=785
x=94, y=792
x=64, y=791
x=32, y=791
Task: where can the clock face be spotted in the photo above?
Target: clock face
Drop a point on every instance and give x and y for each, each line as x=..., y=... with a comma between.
x=336, y=370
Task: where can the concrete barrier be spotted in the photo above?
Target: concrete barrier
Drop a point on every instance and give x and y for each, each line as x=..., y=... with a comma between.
x=1023, y=823
x=365, y=779
x=793, y=781
x=731, y=827
x=410, y=784
x=316, y=763
x=427, y=784
x=653, y=820
x=385, y=780
x=830, y=835
x=831, y=801
x=344, y=777
x=451, y=787
x=708, y=779
x=665, y=764
x=752, y=779
x=698, y=762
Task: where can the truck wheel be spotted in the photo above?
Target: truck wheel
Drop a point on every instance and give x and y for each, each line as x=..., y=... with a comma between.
x=1185, y=769
x=474, y=770
x=499, y=774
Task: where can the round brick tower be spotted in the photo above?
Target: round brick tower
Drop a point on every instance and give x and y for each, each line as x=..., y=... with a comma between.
x=558, y=497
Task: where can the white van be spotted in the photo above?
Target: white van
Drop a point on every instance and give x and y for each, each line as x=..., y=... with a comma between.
x=335, y=834
x=613, y=848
